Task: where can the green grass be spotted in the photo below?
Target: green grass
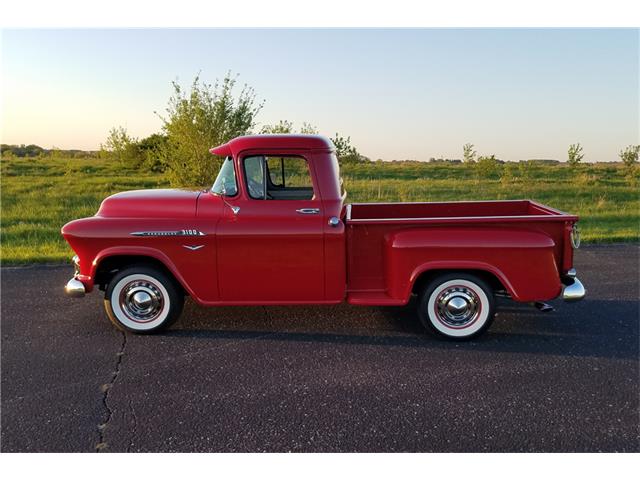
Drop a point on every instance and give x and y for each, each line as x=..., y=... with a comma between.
x=40, y=195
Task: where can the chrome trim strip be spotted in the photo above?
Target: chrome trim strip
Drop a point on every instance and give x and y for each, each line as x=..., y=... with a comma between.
x=169, y=233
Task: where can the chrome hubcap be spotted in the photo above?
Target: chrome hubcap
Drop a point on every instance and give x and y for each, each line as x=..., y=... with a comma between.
x=457, y=306
x=141, y=301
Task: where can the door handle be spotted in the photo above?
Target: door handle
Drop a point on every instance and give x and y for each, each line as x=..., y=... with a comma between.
x=308, y=211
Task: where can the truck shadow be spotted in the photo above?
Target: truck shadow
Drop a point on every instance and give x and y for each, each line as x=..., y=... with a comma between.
x=592, y=328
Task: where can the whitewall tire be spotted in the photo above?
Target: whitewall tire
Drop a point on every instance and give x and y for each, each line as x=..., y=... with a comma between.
x=142, y=299
x=458, y=306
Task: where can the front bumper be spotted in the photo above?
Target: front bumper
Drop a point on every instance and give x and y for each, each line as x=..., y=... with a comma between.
x=573, y=290
x=74, y=287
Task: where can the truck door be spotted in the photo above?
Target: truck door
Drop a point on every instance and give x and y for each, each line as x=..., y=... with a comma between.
x=270, y=238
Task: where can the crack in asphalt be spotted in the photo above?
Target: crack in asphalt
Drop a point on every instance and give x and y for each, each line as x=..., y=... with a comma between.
x=106, y=388
x=134, y=428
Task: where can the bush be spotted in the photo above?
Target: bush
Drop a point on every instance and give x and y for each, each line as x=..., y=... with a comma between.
x=468, y=153
x=508, y=174
x=574, y=154
x=487, y=166
x=151, y=149
x=285, y=126
x=201, y=118
x=346, y=152
x=122, y=148
x=629, y=157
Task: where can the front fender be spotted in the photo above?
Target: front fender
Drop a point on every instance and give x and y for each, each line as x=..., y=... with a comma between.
x=143, y=252
x=522, y=260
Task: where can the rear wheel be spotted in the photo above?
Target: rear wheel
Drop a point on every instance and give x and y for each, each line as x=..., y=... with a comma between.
x=142, y=299
x=458, y=306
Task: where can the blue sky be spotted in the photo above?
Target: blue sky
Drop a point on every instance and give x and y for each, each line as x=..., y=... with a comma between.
x=399, y=93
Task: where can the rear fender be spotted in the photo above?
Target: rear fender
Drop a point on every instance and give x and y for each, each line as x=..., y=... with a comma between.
x=522, y=260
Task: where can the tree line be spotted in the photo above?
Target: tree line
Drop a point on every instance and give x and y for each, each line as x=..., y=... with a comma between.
x=33, y=151
x=575, y=154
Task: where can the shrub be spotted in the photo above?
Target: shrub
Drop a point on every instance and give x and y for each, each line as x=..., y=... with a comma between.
x=574, y=154
x=487, y=166
x=201, y=118
x=468, y=153
x=346, y=152
x=508, y=174
x=629, y=157
x=285, y=126
x=123, y=148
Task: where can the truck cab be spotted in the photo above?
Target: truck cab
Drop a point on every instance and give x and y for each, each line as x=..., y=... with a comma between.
x=281, y=221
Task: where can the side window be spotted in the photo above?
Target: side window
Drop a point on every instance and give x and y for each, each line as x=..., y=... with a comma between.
x=278, y=178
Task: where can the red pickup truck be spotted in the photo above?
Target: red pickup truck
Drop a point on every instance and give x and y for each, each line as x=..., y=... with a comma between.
x=274, y=229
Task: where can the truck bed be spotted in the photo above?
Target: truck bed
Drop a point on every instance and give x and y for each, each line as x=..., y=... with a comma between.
x=370, y=225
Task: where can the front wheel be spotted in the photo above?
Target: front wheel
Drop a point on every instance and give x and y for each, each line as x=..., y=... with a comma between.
x=142, y=299
x=457, y=306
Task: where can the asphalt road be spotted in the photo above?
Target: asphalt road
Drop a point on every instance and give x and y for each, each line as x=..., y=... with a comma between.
x=322, y=378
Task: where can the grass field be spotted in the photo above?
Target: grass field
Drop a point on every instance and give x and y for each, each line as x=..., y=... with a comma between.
x=40, y=195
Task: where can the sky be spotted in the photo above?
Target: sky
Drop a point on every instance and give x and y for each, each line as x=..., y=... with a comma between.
x=398, y=93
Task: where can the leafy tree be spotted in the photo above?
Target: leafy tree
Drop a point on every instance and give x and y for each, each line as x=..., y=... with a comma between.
x=123, y=148
x=346, y=152
x=575, y=154
x=468, y=153
x=343, y=146
x=487, y=166
x=283, y=126
x=22, y=150
x=508, y=174
x=308, y=129
x=526, y=169
x=198, y=119
x=629, y=156
x=151, y=148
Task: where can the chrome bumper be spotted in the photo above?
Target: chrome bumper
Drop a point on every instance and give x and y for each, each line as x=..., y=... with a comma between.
x=74, y=287
x=573, y=289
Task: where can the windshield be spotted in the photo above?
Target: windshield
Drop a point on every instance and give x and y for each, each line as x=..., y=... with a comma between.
x=225, y=184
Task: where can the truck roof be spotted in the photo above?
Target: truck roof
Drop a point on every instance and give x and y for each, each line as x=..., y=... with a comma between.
x=273, y=141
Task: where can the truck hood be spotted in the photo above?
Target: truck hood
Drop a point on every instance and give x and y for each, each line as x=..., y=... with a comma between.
x=163, y=203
